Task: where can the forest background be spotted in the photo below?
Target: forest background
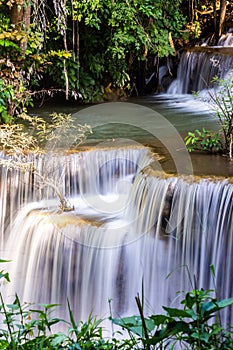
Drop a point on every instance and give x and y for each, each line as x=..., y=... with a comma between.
x=97, y=50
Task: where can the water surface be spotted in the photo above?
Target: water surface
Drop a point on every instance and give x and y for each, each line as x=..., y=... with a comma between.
x=184, y=112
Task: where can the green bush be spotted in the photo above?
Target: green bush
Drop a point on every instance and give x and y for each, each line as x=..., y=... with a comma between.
x=221, y=102
x=6, y=94
x=204, y=140
x=194, y=326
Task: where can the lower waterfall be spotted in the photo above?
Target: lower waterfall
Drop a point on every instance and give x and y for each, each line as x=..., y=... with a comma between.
x=129, y=230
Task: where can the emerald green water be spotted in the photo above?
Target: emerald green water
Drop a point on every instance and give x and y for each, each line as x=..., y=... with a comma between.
x=181, y=111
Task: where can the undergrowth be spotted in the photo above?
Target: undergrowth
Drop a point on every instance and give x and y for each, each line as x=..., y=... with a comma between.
x=195, y=325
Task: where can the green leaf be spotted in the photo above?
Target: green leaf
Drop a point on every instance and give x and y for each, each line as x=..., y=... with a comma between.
x=58, y=339
x=13, y=307
x=224, y=303
x=172, y=328
x=191, y=134
x=189, y=300
x=72, y=320
x=203, y=336
x=5, y=275
x=173, y=312
x=198, y=132
x=188, y=141
x=49, y=306
x=159, y=319
x=134, y=324
x=209, y=308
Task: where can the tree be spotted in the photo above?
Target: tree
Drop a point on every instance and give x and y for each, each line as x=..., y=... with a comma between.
x=125, y=37
x=20, y=12
x=222, y=102
x=207, y=13
x=84, y=47
x=222, y=16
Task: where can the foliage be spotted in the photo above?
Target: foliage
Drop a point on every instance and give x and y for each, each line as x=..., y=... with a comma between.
x=189, y=326
x=14, y=97
x=29, y=328
x=221, y=99
x=221, y=102
x=81, y=47
x=205, y=18
x=15, y=140
x=125, y=33
x=6, y=93
x=34, y=132
x=18, y=71
x=204, y=140
x=60, y=131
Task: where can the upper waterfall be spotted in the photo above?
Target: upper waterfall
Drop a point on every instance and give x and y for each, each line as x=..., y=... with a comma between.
x=200, y=64
x=226, y=40
x=198, y=67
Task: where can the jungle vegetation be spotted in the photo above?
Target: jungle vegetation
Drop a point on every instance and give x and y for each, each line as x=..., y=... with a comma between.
x=93, y=50
x=194, y=325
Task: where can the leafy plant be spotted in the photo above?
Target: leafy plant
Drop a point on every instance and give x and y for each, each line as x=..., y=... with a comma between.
x=204, y=140
x=26, y=327
x=14, y=96
x=83, y=46
x=222, y=102
x=196, y=326
x=192, y=323
x=6, y=94
x=193, y=326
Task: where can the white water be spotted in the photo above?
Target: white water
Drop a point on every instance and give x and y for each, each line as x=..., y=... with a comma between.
x=226, y=40
x=196, y=70
x=129, y=228
x=72, y=174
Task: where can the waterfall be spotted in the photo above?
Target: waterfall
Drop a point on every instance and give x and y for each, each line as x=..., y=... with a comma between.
x=129, y=229
x=199, y=65
x=83, y=172
x=197, y=69
x=226, y=40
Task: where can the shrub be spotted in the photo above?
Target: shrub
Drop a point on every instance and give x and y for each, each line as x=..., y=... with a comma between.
x=204, y=140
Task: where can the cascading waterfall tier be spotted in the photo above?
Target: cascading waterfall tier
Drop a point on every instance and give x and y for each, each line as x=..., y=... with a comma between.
x=89, y=172
x=226, y=40
x=128, y=229
x=200, y=64
x=198, y=67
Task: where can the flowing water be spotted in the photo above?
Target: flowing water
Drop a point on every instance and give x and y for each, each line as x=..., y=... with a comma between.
x=140, y=219
x=201, y=66
x=128, y=227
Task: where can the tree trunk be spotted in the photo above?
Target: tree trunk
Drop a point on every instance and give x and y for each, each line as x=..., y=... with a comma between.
x=215, y=17
x=20, y=17
x=191, y=10
x=223, y=8
x=16, y=15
